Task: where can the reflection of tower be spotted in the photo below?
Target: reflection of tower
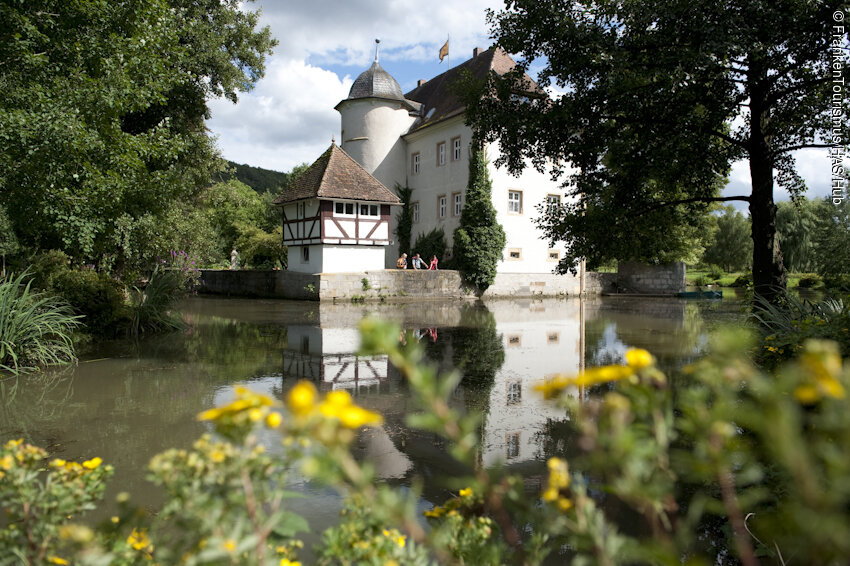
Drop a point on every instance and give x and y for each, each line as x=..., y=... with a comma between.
x=374, y=116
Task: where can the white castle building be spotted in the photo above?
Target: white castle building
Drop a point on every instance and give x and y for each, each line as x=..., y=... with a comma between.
x=418, y=139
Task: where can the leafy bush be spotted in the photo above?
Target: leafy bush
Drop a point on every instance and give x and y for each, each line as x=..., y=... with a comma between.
x=837, y=282
x=96, y=296
x=261, y=250
x=35, y=328
x=715, y=272
x=702, y=281
x=718, y=465
x=809, y=280
x=432, y=244
x=745, y=280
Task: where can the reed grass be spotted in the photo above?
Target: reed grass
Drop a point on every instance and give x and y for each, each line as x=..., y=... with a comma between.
x=35, y=328
x=151, y=307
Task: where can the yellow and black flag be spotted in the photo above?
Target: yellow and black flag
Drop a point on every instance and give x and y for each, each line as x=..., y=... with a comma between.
x=444, y=51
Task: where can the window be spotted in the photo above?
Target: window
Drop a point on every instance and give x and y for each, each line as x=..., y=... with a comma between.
x=302, y=210
x=415, y=207
x=442, y=206
x=515, y=393
x=553, y=203
x=344, y=209
x=515, y=202
x=305, y=254
x=515, y=254
x=441, y=153
x=553, y=255
x=512, y=445
x=368, y=210
x=456, y=149
x=457, y=201
x=514, y=339
x=553, y=337
x=414, y=163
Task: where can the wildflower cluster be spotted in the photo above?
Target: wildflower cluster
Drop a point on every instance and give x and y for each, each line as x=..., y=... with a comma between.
x=637, y=360
x=821, y=365
x=557, y=484
x=238, y=418
x=331, y=418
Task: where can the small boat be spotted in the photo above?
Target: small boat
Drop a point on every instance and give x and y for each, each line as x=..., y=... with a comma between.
x=700, y=294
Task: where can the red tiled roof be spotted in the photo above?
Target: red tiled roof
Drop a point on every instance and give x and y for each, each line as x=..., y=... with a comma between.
x=335, y=175
x=437, y=96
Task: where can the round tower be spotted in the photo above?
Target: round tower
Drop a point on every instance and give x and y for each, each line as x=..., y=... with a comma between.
x=374, y=117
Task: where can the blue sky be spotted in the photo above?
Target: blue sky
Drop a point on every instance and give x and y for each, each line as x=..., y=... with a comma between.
x=289, y=118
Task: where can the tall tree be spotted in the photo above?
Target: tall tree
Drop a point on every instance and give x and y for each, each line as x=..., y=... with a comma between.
x=103, y=107
x=731, y=246
x=676, y=90
x=479, y=240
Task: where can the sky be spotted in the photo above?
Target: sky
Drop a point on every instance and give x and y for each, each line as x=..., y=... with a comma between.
x=289, y=117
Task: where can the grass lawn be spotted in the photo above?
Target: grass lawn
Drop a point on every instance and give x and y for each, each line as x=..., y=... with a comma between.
x=693, y=274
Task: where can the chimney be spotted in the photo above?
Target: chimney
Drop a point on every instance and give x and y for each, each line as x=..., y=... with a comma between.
x=420, y=82
x=476, y=52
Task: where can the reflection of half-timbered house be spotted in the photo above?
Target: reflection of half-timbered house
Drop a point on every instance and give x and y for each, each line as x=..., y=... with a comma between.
x=336, y=218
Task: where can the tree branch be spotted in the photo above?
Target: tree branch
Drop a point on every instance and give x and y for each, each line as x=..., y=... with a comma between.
x=690, y=200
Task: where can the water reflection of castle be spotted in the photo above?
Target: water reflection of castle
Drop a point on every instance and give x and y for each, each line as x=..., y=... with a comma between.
x=504, y=349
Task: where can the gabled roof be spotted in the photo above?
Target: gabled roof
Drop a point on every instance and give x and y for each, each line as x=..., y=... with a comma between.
x=335, y=175
x=437, y=96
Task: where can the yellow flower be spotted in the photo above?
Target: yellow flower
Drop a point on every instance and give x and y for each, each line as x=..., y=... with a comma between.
x=139, y=540
x=465, y=492
x=58, y=463
x=14, y=443
x=638, y=358
x=564, y=504
x=302, y=398
x=273, y=420
x=230, y=545
x=210, y=415
x=255, y=414
x=114, y=519
x=7, y=461
x=93, y=463
x=57, y=560
x=217, y=456
x=559, y=478
x=288, y=562
x=593, y=376
x=401, y=540
x=355, y=417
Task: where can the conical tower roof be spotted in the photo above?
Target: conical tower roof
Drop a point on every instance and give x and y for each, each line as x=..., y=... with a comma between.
x=375, y=82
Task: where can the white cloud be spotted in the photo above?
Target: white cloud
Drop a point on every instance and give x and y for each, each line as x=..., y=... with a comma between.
x=288, y=119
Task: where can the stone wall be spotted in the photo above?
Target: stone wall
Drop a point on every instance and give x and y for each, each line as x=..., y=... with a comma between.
x=401, y=285
x=641, y=278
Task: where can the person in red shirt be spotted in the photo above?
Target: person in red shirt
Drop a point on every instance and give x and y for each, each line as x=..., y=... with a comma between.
x=433, y=262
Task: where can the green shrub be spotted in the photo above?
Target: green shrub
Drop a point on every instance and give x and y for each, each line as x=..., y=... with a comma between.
x=702, y=281
x=261, y=250
x=745, y=280
x=96, y=296
x=809, y=280
x=432, y=244
x=715, y=272
x=837, y=282
x=35, y=327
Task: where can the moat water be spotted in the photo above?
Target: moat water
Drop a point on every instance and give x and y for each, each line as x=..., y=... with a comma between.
x=128, y=400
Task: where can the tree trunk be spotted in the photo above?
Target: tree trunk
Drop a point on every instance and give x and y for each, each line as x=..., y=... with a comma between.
x=769, y=276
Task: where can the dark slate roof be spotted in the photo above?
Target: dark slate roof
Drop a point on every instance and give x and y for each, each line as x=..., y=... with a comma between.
x=335, y=175
x=437, y=97
x=375, y=82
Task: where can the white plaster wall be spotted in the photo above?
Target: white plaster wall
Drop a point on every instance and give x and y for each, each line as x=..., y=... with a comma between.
x=540, y=340
x=296, y=264
x=371, y=130
x=344, y=259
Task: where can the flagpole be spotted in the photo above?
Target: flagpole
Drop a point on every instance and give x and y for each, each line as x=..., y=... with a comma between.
x=449, y=54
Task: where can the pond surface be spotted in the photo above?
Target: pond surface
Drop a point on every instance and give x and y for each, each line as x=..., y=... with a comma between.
x=127, y=401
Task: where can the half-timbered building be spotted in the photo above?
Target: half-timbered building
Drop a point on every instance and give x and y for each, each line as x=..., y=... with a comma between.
x=336, y=218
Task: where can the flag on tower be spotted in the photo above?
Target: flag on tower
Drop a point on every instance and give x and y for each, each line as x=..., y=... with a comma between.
x=444, y=51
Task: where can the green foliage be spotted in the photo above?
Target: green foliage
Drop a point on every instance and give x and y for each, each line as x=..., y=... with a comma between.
x=40, y=500
x=101, y=122
x=8, y=240
x=715, y=272
x=431, y=244
x=796, y=224
x=837, y=282
x=745, y=280
x=259, y=249
x=479, y=240
x=259, y=179
x=96, y=296
x=786, y=325
x=832, y=237
x=150, y=307
x=404, y=220
x=364, y=283
x=731, y=245
x=648, y=116
x=809, y=281
x=35, y=328
x=232, y=207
